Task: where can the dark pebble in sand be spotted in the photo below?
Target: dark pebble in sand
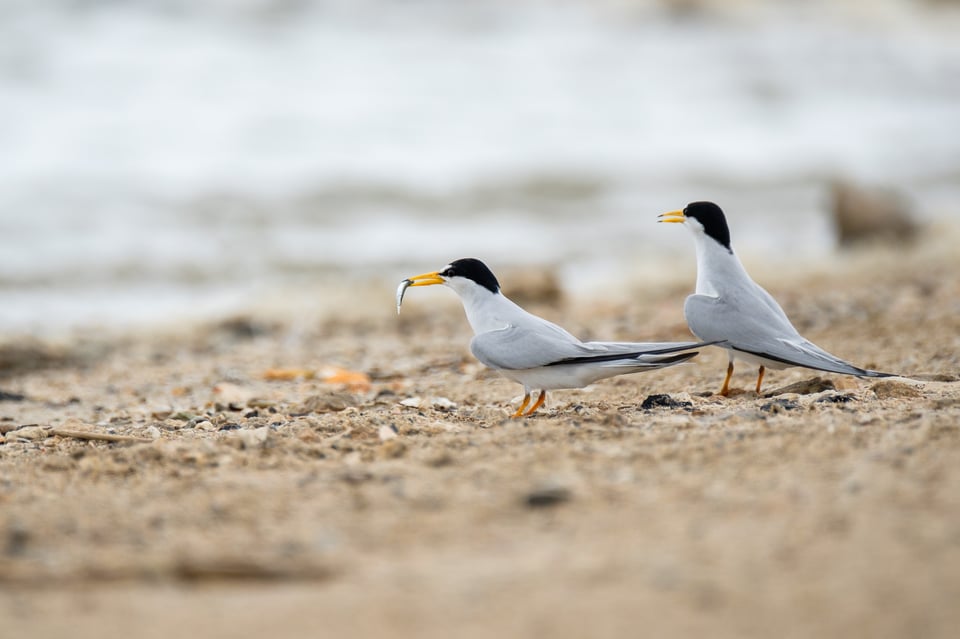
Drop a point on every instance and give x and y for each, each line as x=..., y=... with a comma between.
x=230, y=427
x=11, y=397
x=780, y=405
x=547, y=496
x=17, y=539
x=663, y=401
x=836, y=399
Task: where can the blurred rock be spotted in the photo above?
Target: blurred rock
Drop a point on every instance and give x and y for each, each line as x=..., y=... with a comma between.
x=547, y=494
x=242, y=328
x=330, y=402
x=230, y=395
x=30, y=355
x=862, y=214
x=532, y=286
x=804, y=387
x=393, y=449
x=936, y=377
x=252, y=439
x=888, y=389
x=32, y=433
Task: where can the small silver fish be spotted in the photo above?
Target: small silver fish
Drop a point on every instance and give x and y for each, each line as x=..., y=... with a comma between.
x=404, y=285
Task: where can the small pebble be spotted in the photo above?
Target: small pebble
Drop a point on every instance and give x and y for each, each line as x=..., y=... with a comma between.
x=256, y=438
x=442, y=403
x=438, y=403
x=387, y=432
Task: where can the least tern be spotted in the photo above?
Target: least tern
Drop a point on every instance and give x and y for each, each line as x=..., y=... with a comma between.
x=730, y=307
x=532, y=351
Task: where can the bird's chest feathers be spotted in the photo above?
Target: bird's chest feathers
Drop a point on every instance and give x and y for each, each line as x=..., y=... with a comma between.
x=487, y=313
x=719, y=272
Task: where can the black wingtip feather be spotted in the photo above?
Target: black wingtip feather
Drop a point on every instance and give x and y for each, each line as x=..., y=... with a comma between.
x=613, y=357
x=861, y=372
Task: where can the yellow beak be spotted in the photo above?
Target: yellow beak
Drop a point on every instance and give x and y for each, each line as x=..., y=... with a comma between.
x=427, y=279
x=674, y=217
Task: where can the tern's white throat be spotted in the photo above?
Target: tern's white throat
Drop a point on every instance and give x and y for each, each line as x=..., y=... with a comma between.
x=485, y=310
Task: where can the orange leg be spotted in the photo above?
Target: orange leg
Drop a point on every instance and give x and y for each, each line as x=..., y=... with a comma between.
x=726, y=383
x=526, y=400
x=760, y=378
x=537, y=404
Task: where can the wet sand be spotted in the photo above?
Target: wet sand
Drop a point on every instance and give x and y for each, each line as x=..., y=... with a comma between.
x=255, y=489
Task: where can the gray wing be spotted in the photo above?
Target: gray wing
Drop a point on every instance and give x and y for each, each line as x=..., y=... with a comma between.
x=517, y=348
x=755, y=328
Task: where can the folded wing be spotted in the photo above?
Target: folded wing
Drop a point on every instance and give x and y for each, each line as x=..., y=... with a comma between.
x=763, y=334
x=516, y=348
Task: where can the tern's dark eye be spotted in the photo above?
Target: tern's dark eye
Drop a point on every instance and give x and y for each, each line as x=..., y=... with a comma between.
x=447, y=272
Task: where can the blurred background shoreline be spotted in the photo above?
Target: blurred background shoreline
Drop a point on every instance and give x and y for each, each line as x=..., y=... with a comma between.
x=168, y=159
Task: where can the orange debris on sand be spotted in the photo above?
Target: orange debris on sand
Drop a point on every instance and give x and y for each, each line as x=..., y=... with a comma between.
x=287, y=374
x=354, y=380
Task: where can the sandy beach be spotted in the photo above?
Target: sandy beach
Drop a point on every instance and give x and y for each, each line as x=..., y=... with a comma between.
x=351, y=472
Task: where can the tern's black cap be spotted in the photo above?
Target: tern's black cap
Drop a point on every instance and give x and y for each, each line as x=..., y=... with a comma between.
x=714, y=222
x=473, y=269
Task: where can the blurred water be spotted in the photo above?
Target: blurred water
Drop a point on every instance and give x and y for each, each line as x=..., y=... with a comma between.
x=164, y=157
